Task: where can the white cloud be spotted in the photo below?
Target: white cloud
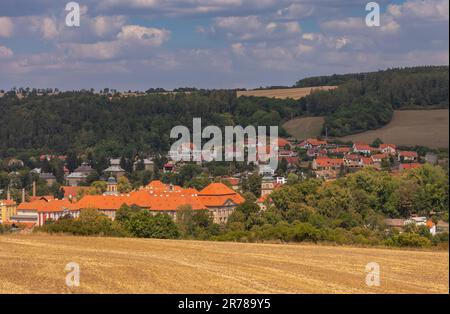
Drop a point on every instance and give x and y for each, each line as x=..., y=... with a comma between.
x=5, y=52
x=104, y=25
x=130, y=42
x=238, y=49
x=145, y=35
x=6, y=26
x=432, y=10
x=296, y=10
x=251, y=28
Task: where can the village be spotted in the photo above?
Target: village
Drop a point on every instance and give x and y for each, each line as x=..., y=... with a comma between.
x=316, y=158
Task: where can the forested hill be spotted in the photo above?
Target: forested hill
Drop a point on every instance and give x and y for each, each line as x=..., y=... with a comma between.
x=433, y=72
x=366, y=101
x=123, y=126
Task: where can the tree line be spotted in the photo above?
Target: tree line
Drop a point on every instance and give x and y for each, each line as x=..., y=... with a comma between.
x=350, y=210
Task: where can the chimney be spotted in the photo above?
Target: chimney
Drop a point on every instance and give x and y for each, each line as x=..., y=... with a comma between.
x=34, y=188
x=23, y=195
x=8, y=194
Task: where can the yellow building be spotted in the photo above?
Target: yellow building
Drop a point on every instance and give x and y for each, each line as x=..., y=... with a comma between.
x=8, y=208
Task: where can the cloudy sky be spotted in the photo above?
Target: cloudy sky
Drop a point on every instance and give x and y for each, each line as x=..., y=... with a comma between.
x=137, y=44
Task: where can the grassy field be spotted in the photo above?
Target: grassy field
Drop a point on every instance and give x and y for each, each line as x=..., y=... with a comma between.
x=35, y=264
x=411, y=127
x=408, y=127
x=294, y=93
x=303, y=128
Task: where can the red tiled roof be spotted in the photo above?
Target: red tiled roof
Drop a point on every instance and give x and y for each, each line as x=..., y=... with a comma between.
x=53, y=205
x=313, y=142
x=363, y=147
x=383, y=146
x=326, y=161
x=72, y=191
x=339, y=150
x=216, y=194
x=366, y=160
x=408, y=154
x=380, y=156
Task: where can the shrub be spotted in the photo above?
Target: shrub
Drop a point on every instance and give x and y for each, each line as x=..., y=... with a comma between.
x=408, y=240
x=90, y=222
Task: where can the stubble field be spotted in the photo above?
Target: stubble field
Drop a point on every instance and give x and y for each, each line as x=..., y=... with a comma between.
x=407, y=128
x=35, y=264
x=294, y=93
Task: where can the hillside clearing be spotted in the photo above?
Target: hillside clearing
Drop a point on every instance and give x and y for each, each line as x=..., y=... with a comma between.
x=294, y=93
x=409, y=128
x=303, y=128
x=35, y=264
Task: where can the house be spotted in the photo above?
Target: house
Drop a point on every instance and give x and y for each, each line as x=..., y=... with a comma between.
x=292, y=161
x=146, y=163
x=341, y=150
x=220, y=200
x=407, y=156
x=360, y=148
x=283, y=144
x=168, y=168
x=75, y=178
x=73, y=192
x=41, y=211
x=49, y=178
x=312, y=143
x=378, y=158
x=326, y=163
x=115, y=169
x=79, y=175
x=422, y=221
x=390, y=149
x=398, y=224
x=84, y=169
x=357, y=161
x=7, y=210
x=431, y=227
x=158, y=197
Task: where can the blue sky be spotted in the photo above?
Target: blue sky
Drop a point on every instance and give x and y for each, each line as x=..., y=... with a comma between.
x=137, y=44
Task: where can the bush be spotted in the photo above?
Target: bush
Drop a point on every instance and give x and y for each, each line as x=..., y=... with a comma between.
x=90, y=222
x=305, y=232
x=408, y=240
x=145, y=225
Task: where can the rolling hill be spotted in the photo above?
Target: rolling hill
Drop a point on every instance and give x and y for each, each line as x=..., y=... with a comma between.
x=408, y=128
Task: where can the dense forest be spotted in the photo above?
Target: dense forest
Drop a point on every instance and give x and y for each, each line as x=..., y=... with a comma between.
x=123, y=126
x=110, y=125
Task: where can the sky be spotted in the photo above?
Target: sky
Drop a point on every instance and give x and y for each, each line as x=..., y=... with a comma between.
x=139, y=44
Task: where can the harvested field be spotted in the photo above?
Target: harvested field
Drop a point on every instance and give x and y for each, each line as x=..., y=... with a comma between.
x=411, y=127
x=303, y=128
x=35, y=264
x=294, y=93
x=408, y=127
